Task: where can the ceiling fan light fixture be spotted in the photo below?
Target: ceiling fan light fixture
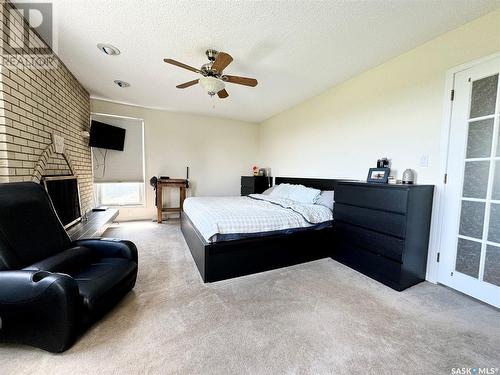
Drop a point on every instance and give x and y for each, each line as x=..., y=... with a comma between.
x=213, y=79
x=211, y=85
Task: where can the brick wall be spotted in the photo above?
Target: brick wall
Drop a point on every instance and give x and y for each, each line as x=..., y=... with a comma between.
x=35, y=103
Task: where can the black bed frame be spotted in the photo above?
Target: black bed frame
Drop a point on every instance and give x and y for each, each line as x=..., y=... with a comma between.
x=227, y=259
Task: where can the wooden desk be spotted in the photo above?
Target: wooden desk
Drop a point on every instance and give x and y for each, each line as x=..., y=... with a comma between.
x=182, y=184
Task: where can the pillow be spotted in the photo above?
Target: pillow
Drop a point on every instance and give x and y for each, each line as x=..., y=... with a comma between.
x=268, y=191
x=280, y=191
x=326, y=199
x=303, y=194
x=298, y=193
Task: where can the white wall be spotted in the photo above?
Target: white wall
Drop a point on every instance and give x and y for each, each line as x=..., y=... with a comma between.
x=218, y=151
x=393, y=110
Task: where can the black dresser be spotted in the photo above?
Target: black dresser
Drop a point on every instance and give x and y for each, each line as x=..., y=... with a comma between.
x=383, y=230
x=255, y=184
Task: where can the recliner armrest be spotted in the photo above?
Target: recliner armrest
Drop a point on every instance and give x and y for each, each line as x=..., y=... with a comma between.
x=110, y=247
x=39, y=308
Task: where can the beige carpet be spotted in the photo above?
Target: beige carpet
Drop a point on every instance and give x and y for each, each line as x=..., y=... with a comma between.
x=314, y=318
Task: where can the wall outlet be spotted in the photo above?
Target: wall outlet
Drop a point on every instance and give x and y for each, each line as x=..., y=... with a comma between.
x=424, y=161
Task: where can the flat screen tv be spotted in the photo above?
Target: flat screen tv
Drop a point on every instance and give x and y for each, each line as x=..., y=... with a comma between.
x=106, y=136
x=63, y=191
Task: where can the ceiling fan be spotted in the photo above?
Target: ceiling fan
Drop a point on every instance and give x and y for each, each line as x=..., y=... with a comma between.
x=212, y=78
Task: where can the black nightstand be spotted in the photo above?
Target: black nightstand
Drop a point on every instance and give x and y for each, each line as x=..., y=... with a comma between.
x=255, y=184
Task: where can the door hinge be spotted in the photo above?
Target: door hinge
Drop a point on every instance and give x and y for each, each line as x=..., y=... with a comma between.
x=437, y=260
x=446, y=178
x=452, y=95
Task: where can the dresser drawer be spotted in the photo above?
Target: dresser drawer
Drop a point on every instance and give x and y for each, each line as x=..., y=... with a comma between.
x=388, y=246
x=380, y=198
x=381, y=221
x=246, y=190
x=248, y=181
x=376, y=266
x=257, y=184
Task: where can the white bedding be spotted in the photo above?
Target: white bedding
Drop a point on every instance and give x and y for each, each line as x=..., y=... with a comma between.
x=253, y=214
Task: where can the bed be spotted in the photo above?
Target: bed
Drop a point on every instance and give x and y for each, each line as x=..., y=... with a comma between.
x=223, y=257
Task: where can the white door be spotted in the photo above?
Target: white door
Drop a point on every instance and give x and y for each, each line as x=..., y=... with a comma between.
x=470, y=246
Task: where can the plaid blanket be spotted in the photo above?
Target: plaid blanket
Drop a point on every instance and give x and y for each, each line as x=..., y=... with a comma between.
x=253, y=214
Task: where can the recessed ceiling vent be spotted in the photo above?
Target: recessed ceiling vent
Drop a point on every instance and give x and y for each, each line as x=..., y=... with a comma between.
x=108, y=49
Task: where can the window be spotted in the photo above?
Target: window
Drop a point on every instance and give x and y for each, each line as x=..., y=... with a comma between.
x=119, y=175
x=120, y=194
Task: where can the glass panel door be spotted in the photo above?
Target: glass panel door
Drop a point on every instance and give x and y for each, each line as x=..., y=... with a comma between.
x=479, y=229
x=471, y=220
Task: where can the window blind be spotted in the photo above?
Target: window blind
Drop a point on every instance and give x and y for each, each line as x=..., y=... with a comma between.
x=120, y=166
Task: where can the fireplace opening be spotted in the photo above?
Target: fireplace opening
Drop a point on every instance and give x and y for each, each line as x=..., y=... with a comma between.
x=63, y=191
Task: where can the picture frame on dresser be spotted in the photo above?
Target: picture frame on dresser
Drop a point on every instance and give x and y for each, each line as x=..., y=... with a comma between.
x=378, y=175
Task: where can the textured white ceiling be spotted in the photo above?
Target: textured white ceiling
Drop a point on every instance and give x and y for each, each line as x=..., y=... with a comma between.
x=295, y=49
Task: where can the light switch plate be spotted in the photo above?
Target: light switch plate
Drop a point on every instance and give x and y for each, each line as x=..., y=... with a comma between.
x=424, y=161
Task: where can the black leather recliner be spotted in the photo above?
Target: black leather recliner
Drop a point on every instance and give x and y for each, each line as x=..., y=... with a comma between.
x=51, y=289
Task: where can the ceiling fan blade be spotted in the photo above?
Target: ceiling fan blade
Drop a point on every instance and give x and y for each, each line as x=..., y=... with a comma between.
x=240, y=80
x=181, y=65
x=187, y=84
x=221, y=61
x=222, y=94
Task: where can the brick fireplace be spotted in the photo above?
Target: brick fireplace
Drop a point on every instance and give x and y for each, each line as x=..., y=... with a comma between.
x=35, y=104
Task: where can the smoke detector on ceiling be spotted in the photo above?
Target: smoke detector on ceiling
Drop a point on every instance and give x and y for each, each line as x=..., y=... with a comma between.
x=108, y=49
